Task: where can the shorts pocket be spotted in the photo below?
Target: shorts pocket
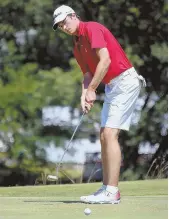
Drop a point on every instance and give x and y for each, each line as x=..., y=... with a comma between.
x=128, y=83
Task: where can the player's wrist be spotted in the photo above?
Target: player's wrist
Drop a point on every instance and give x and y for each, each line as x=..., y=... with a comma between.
x=91, y=88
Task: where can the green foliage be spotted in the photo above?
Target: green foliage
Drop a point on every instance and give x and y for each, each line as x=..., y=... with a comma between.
x=58, y=85
x=37, y=69
x=130, y=175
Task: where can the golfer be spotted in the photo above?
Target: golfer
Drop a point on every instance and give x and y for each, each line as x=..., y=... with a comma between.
x=102, y=59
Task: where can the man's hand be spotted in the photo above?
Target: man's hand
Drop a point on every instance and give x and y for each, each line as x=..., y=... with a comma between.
x=90, y=96
x=86, y=107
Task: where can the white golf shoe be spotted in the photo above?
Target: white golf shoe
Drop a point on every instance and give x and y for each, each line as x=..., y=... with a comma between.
x=102, y=196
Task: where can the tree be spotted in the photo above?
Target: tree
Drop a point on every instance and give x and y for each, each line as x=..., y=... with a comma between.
x=36, y=68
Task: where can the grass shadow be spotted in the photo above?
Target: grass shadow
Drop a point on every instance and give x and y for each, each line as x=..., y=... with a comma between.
x=52, y=201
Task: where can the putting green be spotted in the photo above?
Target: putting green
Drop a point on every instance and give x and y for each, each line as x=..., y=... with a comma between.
x=140, y=199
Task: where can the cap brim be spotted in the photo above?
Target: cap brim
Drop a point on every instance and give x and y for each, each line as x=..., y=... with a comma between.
x=57, y=20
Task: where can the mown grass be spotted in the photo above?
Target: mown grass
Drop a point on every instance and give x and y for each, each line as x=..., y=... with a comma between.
x=140, y=199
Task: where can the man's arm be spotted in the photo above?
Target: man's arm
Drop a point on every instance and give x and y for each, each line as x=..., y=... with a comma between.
x=86, y=81
x=101, y=68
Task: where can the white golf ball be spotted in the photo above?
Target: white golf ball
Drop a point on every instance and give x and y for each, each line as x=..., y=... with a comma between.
x=87, y=211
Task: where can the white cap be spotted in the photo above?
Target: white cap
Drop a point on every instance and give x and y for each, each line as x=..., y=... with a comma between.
x=60, y=14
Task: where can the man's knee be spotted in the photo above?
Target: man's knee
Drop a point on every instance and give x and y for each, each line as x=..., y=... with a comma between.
x=107, y=133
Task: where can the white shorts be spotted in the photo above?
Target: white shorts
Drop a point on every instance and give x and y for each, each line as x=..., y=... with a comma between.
x=121, y=95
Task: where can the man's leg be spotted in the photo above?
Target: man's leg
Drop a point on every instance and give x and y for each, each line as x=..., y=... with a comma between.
x=111, y=155
x=111, y=161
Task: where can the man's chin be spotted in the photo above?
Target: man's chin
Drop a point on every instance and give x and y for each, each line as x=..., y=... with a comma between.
x=71, y=33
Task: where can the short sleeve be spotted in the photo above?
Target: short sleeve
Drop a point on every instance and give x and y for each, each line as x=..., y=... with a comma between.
x=95, y=36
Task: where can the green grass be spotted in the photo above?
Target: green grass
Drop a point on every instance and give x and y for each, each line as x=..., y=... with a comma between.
x=140, y=199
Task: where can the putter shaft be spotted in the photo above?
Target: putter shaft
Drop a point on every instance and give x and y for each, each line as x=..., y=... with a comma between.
x=68, y=145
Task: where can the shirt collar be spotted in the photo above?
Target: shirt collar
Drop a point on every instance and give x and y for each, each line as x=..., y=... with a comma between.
x=81, y=28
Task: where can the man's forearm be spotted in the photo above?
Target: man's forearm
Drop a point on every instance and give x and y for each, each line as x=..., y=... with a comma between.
x=101, y=71
x=87, y=80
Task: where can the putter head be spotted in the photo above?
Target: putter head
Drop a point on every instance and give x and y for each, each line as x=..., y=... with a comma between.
x=52, y=178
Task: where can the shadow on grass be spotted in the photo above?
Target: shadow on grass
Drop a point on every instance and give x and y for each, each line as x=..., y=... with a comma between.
x=52, y=201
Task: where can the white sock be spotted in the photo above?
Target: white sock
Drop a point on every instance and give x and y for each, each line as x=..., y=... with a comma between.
x=112, y=189
x=104, y=186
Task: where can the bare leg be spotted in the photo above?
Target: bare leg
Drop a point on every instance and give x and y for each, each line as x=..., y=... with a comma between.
x=111, y=156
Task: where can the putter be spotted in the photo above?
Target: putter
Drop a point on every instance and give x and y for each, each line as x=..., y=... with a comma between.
x=55, y=177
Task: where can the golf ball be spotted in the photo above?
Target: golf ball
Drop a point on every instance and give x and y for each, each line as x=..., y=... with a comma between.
x=87, y=211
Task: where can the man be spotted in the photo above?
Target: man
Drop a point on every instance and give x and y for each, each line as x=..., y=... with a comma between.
x=102, y=59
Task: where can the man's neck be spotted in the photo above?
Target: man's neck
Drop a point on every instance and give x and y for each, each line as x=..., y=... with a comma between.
x=77, y=30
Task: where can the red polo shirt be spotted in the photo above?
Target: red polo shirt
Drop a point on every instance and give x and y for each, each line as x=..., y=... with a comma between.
x=93, y=35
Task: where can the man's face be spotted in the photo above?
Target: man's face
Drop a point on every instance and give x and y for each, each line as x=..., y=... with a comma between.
x=69, y=25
